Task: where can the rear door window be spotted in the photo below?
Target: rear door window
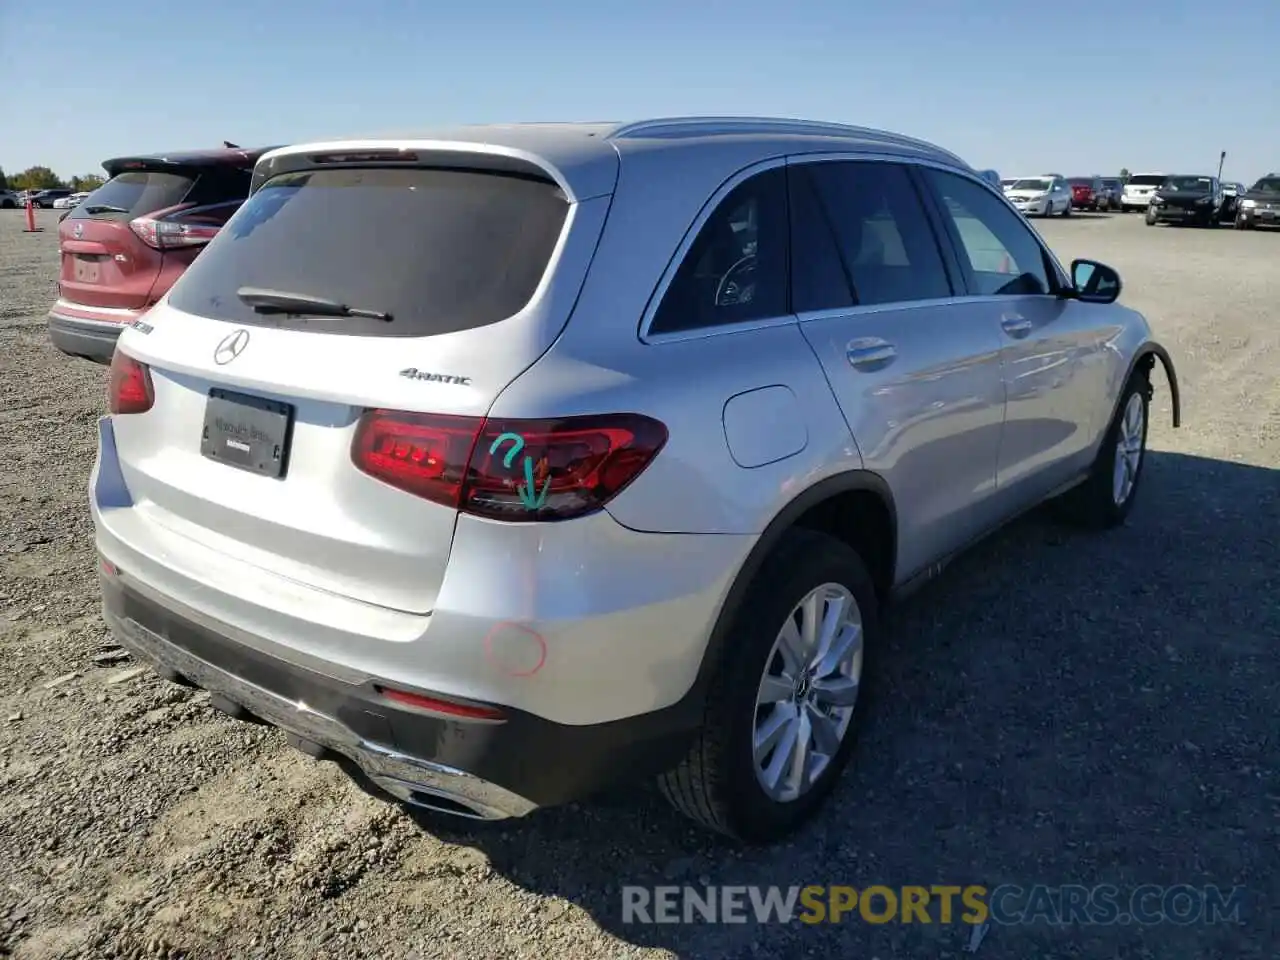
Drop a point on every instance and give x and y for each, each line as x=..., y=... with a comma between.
x=134, y=193
x=440, y=250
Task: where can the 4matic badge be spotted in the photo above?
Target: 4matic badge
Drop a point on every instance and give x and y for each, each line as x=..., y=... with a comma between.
x=413, y=373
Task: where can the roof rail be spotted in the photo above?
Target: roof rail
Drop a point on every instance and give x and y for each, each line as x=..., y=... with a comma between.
x=712, y=126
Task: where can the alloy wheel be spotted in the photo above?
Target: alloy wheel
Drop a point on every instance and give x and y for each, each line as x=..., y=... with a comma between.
x=1128, y=450
x=806, y=698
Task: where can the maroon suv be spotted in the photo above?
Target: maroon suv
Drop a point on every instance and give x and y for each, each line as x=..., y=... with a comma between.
x=124, y=246
x=1087, y=193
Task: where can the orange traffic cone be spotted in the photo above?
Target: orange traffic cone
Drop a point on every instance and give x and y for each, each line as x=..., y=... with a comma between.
x=31, y=218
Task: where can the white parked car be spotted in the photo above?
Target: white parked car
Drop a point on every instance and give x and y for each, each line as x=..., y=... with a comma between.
x=1041, y=196
x=1138, y=190
x=66, y=203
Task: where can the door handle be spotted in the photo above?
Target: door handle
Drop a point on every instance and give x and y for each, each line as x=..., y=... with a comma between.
x=871, y=352
x=1016, y=326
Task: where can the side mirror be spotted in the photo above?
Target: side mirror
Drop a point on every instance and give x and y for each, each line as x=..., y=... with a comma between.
x=1094, y=282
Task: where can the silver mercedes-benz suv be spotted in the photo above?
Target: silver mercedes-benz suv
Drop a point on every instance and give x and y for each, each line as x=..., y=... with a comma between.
x=504, y=463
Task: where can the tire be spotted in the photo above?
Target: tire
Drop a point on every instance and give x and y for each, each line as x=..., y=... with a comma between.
x=717, y=783
x=1066, y=211
x=1151, y=220
x=1243, y=224
x=1094, y=504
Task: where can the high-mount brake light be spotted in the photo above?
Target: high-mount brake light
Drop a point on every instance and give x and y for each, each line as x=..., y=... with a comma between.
x=561, y=468
x=129, y=387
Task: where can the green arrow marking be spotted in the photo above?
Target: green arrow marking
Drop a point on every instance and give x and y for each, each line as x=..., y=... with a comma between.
x=526, y=489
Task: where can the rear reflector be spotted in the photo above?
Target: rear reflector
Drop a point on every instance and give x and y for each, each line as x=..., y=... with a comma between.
x=515, y=470
x=129, y=388
x=463, y=711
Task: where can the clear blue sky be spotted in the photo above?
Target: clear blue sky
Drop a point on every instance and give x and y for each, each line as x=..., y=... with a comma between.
x=1012, y=84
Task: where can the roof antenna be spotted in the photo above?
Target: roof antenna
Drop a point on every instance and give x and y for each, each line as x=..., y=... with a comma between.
x=231, y=146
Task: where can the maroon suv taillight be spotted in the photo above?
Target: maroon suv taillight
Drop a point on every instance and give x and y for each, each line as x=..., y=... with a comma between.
x=129, y=388
x=516, y=470
x=172, y=234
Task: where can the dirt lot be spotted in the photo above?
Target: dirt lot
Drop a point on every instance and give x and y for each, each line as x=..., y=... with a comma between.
x=1058, y=709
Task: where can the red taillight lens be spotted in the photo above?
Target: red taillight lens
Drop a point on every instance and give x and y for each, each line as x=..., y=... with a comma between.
x=129, y=387
x=516, y=470
x=172, y=234
x=423, y=454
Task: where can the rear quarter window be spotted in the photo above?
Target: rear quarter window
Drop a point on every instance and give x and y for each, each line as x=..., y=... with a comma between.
x=441, y=250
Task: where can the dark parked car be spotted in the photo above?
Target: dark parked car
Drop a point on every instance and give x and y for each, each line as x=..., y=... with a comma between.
x=45, y=198
x=1086, y=192
x=127, y=242
x=1184, y=198
x=1112, y=188
x=1259, y=206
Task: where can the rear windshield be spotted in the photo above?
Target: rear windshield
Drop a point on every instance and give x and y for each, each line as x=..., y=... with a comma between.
x=1082, y=181
x=439, y=250
x=1146, y=180
x=133, y=193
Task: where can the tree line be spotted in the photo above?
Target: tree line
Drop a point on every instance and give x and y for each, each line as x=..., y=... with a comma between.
x=42, y=178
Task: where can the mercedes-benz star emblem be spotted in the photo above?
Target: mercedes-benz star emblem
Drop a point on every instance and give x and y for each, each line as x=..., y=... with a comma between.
x=231, y=347
x=78, y=231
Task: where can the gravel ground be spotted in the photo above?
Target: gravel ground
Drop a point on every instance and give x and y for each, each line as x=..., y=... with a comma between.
x=1057, y=709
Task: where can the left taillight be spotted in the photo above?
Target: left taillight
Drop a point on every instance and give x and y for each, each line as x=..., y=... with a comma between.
x=129, y=388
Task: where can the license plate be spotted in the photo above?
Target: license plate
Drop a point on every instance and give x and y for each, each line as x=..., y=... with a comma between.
x=86, y=270
x=1267, y=214
x=250, y=433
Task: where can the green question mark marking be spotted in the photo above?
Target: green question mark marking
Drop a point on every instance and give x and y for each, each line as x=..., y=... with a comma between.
x=511, y=454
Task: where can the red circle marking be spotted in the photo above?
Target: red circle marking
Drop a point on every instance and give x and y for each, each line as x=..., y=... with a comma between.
x=493, y=659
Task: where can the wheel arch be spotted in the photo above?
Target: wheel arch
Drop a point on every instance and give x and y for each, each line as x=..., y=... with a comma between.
x=840, y=501
x=1144, y=359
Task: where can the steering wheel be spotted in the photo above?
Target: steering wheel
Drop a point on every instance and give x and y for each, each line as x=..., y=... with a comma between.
x=737, y=286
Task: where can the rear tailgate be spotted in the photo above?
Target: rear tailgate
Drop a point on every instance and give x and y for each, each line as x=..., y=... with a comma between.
x=479, y=272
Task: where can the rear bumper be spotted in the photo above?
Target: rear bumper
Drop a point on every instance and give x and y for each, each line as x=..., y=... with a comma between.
x=89, y=332
x=480, y=769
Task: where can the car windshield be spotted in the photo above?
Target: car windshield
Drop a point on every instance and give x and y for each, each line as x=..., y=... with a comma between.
x=1267, y=185
x=1146, y=180
x=1187, y=184
x=1029, y=185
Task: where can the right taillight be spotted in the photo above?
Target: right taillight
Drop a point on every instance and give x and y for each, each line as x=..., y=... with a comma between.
x=172, y=234
x=515, y=470
x=129, y=388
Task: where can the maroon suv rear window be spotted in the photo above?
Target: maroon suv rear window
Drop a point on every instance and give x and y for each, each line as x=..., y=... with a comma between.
x=134, y=193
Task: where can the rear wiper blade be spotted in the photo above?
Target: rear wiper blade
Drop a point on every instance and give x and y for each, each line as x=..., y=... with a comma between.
x=264, y=300
x=104, y=208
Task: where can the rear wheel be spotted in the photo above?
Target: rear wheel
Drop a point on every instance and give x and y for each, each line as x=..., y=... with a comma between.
x=1106, y=497
x=784, y=711
x=1066, y=211
x=1151, y=218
